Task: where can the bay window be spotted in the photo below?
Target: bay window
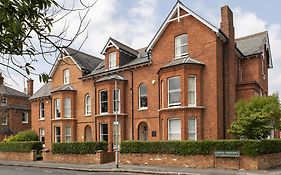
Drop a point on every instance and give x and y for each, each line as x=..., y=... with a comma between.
x=174, y=91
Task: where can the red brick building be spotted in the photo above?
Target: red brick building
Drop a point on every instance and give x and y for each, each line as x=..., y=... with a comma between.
x=182, y=86
x=14, y=109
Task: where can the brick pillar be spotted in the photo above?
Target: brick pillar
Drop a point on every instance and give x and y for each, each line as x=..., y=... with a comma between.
x=30, y=87
x=230, y=72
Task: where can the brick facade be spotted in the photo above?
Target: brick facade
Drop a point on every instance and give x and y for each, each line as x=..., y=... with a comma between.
x=223, y=70
x=14, y=109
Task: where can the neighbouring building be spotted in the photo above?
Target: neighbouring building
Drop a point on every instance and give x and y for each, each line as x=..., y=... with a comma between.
x=182, y=86
x=14, y=109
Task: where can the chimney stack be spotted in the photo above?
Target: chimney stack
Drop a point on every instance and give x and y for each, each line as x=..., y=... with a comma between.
x=1, y=79
x=30, y=87
x=227, y=22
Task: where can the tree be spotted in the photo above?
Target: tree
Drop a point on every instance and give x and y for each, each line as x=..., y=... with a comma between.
x=26, y=31
x=256, y=118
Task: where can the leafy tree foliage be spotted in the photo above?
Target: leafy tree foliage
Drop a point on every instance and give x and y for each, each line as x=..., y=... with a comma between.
x=28, y=135
x=26, y=31
x=256, y=118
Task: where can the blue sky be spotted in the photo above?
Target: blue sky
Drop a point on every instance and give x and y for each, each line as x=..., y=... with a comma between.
x=135, y=22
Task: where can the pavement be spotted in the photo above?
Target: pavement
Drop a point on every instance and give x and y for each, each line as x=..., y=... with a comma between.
x=139, y=169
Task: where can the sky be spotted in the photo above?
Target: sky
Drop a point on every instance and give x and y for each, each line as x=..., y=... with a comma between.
x=135, y=22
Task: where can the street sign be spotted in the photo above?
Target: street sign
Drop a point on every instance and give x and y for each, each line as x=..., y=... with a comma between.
x=227, y=153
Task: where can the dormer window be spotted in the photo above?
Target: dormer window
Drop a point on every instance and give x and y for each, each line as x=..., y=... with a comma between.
x=112, y=60
x=66, y=76
x=181, y=46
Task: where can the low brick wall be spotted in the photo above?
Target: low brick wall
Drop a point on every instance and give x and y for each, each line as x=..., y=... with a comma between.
x=98, y=158
x=29, y=156
x=200, y=161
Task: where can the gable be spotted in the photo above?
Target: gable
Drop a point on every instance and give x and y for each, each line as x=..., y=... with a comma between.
x=178, y=12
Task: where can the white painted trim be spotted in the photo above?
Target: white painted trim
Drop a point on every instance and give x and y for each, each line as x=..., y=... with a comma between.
x=101, y=113
x=173, y=105
x=142, y=108
x=108, y=46
x=166, y=22
x=119, y=100
x=55, y=65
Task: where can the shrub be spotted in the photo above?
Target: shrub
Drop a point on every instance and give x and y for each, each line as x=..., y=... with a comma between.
x=23, y=136
x=20, y=146
x=78, y=147
x=246, y=147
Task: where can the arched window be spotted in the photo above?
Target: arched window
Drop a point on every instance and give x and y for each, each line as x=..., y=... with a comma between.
x=142, y=96
x=41, y=111
x=87, y=104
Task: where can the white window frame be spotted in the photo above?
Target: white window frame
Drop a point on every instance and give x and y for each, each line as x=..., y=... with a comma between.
x=195, y=128
x=118, y=101
x=67, y=108
x=162, y=93
x=142, y=95
x=88, y=110
x=24, y=116
x=66, y=76
x=41, y=110
x=57, y=108
x=66, y=135
x=102, y=134
x=171, y=119
x=103, y=102
x=171, y=105
x=4, y=101
x=181, y=45
x=56, y=135
x=111, y=60
x=195, y=94
x=41, y=134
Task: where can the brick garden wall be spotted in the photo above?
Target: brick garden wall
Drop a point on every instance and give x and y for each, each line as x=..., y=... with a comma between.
x=98, y=158
x=200, y=161
x=29, y=156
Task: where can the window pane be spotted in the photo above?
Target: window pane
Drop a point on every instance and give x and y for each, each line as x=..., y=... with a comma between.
x=174, y=97
x=143, y=101
x=42, y=113
x=142, y=96
x=192, y=129
x=67, y=107
x=181, y=45
x=67, y=134
x=183, y=39
x=57, y=134
x=116, y=100
x=175, y=129
x=112, y=60
x=87, y=105
x=103, y=132
x=143, y=90
x=191, y=90
x=174, y=83
x=103, y=102
x=57, y=108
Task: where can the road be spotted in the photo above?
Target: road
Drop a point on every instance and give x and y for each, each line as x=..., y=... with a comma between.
x=15, y=170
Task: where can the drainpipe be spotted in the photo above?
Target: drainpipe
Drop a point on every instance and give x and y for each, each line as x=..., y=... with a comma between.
x=95, y=111
x=132, y=98
x=223, y=87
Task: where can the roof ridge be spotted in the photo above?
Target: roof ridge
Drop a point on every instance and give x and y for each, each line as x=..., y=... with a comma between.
x=252, y=35
x=122, y=43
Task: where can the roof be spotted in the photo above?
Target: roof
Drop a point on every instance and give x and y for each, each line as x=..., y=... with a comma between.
x=254, y=44
x=44, y=91
x=170, y=18
x=141, y=59
x=183, y=60
x=84, y=62
x=119, y=45
x=111, y=77
x=66, y=87
x=5, y=90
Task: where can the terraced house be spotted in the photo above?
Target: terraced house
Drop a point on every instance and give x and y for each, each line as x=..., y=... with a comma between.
x=182, y=86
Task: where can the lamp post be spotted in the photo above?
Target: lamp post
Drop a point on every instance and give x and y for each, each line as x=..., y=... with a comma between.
x=116, y=124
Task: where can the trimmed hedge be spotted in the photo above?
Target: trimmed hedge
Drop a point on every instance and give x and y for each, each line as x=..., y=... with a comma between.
x=246, y=147
x=78, y=147
x=24, y=136
x=20, y=146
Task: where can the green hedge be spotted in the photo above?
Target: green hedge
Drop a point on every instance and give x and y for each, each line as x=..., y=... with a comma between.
x=246, y=147
x=78, y=147
x=24, y=136
x=20, y=146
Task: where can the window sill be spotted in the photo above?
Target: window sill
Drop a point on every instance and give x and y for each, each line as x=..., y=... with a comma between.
x=142, y=109
x=41, y=119
x=105, y=113
x=87, y=115
x=24, y=122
